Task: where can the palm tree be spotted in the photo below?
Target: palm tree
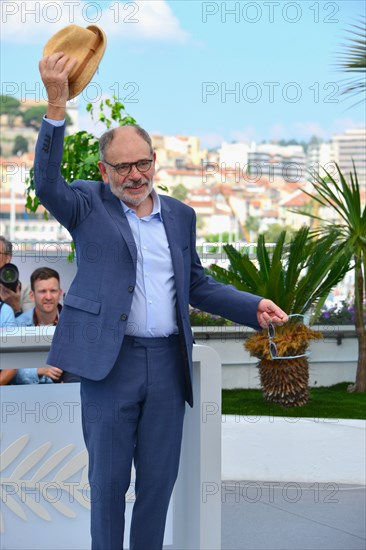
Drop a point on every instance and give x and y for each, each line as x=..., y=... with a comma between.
x=353, y=60
x=297, y=276
x=345, y=198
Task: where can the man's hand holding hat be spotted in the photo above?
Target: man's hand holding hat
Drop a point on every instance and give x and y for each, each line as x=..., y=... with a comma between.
x=55, y=70
x=71, y=57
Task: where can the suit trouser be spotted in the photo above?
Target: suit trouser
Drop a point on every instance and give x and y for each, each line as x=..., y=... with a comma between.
x=135, y=413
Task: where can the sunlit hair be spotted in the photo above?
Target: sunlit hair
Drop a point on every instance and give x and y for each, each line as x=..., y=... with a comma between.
x=106, y=139
x=43, y=274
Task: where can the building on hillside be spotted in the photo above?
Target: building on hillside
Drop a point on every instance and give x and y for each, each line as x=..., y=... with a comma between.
x=350, y=146
x=286, y=162
x=13, y=126
x=288, y=207
x=191, y=177
x=14, y=171
x=233, y=155
x=214, y=215
x=16, y=223
x=319, y=156
x=178, y=151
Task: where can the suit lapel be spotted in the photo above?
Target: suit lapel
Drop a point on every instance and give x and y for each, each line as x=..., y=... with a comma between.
x=115, y=210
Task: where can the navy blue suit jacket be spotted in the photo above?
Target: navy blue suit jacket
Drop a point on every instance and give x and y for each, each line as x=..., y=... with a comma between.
x=93, y=321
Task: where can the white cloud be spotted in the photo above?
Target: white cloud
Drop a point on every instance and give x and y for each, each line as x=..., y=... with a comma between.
x=277, y=131
x=304, y=130
x=340, y=125
x=32, y=22
x=211, y=141
x=308, y=129
x=247, y=134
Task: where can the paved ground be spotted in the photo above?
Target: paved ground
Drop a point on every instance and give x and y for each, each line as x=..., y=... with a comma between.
x=293, y=516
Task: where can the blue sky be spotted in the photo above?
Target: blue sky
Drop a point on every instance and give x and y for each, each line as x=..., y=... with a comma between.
x=174, y=63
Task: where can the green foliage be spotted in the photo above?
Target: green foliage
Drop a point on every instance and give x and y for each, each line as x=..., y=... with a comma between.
x=297, y=276
x=20, y=145
x=274, y=231
x=340, y=314
x=325, y=402
x=116, y=113
x=353, y=60
x=345, y=198
x=9, y=105
x=80, y=158
x=200, y=318
x=180, y=192
x=81, y=150
x=252, y=223
x=224, y=237
x=33, y=116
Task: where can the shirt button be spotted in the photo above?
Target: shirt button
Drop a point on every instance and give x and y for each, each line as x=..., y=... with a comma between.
x=124, y=317
x=131, y=288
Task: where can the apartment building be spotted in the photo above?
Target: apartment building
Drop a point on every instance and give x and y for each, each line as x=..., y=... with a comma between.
x=287, y=162
x=351, y=146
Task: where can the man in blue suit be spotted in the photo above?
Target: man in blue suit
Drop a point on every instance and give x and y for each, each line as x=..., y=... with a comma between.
x=124, y=327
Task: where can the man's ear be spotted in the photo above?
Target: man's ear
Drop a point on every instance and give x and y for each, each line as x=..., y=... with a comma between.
x=31, y=295
x=103, y=172
x=154, y=157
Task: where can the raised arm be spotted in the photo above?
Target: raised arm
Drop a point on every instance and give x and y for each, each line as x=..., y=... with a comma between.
x=68, y=204
x=55, y=70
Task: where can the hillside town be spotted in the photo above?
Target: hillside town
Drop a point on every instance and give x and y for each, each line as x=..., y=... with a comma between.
x=237, y=189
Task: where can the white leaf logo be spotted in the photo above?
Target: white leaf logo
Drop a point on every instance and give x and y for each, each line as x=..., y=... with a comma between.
x=37, y=493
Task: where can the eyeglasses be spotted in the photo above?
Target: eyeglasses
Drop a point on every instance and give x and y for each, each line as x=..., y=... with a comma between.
x=124, y=168
x=272, y=346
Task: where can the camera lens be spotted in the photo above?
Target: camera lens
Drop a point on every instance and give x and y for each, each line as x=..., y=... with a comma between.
x=9, y=276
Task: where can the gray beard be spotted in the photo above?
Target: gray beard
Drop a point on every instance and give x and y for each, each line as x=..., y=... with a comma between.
x=122, y=194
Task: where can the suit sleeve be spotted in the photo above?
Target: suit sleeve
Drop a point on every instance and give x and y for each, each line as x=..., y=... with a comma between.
x=68, y=204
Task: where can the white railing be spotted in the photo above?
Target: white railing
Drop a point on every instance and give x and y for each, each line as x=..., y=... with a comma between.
x=45, y=493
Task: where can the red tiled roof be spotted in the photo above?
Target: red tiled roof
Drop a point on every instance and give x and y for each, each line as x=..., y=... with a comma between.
x=298, y=199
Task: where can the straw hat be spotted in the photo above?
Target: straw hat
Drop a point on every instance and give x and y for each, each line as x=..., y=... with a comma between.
x=87, y=45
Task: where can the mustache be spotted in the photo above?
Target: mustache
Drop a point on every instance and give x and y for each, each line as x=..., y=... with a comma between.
x=135, y=184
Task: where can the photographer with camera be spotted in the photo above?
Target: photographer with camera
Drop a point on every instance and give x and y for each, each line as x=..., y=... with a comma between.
x=12, y=292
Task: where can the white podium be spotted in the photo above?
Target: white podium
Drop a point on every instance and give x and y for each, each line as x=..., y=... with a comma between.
x=45, y=492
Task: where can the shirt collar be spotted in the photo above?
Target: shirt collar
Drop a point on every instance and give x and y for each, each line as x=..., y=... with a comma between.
x=55, y=322
x=156, y=211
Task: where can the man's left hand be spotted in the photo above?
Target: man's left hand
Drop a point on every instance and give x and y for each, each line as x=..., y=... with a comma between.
x=268, y=311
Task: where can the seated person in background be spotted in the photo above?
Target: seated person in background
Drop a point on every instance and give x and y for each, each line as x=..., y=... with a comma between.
x=6, y=318
x=20, y=300
x=46, y=292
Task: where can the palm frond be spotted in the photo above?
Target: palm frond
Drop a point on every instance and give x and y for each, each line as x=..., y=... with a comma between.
x=352, y=59
x=295, y=276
